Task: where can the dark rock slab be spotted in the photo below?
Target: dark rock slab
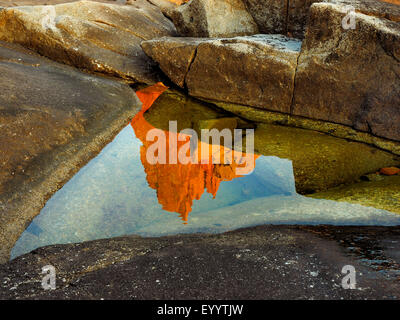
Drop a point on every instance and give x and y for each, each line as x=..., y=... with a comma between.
x=100, y=37
x=53, y=119
x=265, y=262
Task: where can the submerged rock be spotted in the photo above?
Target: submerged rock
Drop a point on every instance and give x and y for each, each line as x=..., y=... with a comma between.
x=320, y=161
x=53, y=119
x=383, y=193
x=213, y=18
x=99, y=37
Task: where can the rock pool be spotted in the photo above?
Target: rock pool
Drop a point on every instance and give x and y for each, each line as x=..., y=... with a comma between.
x=120, y=193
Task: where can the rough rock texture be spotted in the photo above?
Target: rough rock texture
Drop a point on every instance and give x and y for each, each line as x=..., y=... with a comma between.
x=213, y=18
x=53, y=119
x=270, y=15
x=297, y=16
x=95, y=36
x=16, y=3
x=174, y=56
x=350, y=76
x=277, y=16
x=255, y=70
x=266, y=262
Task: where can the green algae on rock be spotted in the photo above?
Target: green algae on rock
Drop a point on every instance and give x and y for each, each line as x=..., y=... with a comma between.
x=320, y=161
x=382, y=194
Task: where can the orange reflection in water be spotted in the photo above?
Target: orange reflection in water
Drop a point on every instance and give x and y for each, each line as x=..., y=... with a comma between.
x=177, y=185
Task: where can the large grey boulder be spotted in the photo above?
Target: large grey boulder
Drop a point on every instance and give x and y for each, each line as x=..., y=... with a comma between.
x=95, y=36
x=351, y=77
x=53, y=119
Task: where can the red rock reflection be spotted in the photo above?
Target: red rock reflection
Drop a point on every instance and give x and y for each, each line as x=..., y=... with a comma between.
x=177, y=185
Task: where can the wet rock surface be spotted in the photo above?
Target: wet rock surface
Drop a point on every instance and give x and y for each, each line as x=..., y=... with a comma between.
x=387, y=9
x=265, y=262
x=53, y=120
x=100, y=37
